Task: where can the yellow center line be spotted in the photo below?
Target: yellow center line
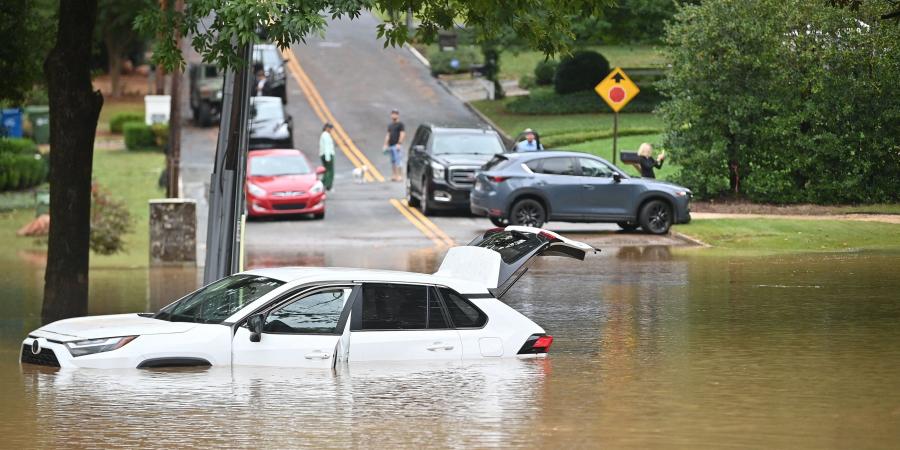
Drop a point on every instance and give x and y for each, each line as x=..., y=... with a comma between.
x=412, y=219
x=321, y=109
x=431, y=225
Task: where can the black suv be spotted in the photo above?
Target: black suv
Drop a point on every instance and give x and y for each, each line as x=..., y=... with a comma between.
x=440, y=170
x=268, y=58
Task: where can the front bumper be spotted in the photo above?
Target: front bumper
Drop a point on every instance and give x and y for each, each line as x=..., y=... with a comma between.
x=445, y=196
x=275, y=206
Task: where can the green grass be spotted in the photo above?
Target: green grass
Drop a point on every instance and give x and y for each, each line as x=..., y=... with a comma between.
x=881, y=208
x=517, y=64
x=792, y=235
x=129, y=176
x=113, y=108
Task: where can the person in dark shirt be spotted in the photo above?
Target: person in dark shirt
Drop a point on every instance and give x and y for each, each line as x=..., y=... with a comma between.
x=647, y=163
x=396, y=133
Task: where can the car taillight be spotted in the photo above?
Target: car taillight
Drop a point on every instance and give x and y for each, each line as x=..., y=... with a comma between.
x=497, y=179
x=536, y=343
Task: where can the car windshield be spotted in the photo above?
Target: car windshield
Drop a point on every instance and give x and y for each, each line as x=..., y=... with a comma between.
x=264, y=111
x=272, y=166
x=267, y=56
x=217, y=301
x=467, y=144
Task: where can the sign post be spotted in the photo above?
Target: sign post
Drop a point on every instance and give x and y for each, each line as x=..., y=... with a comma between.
x=616, y=90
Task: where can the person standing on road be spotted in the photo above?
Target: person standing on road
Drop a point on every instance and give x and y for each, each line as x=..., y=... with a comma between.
x=396, y=133
x=530, y=144
x=326, y=154
x=646, y=163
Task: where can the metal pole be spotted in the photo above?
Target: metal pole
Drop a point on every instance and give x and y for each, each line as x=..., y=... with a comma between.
x=226, y=187
x=615, y=135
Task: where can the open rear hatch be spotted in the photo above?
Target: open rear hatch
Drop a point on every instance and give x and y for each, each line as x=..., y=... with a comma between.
x=501, y=256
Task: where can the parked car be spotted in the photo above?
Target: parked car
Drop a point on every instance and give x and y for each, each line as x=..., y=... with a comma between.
x=267, y=57
x=440, y=170
x=206, y=93
x=283, y=182
x=534, y=188
x=317, y=317
x=270, y=125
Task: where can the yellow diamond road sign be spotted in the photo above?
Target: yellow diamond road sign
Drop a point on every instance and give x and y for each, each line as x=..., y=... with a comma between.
x=617, y=89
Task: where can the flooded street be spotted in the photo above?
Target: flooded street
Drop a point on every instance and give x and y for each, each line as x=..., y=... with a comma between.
x=654, y=347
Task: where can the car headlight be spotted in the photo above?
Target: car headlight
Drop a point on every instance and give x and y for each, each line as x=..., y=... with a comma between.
x=91, y=346
x=437, y=171
x=317, y=188
x=219, y=94
x=256, y=190
x=681, y=193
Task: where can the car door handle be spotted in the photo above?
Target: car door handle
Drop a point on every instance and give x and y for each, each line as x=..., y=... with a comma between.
x=318, y=355
x=438, y=346
x=588, y=186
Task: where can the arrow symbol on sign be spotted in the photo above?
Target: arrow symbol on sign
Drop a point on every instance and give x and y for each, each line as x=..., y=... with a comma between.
x=618, y=77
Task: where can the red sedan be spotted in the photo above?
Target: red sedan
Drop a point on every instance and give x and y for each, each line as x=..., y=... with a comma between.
x=282, y=182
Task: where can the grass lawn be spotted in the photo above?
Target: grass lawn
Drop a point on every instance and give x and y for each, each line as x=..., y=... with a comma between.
x=112, y=108
x=791, y=235
x=516, y=64
x=129, y=176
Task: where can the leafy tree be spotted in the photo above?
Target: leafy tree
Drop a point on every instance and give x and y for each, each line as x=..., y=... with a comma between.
x=25, y=43
x=785, y=101
x=115, y=29
x=218, y=28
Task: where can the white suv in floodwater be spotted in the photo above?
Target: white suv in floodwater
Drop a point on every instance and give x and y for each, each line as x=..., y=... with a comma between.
x=316, y=317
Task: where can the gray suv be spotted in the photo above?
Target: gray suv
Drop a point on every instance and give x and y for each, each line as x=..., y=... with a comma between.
x=533, y=188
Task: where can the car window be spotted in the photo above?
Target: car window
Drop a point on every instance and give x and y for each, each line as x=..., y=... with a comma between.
x=534, y=165
x=263, y=111
x=267, y=56
x=219, y=300
x=210, y=71
x=310, y=314
x=394, y=307
x=463, y=313
x=558, y=166
x=271, y=166
x=594, y=168
x=436, y=318
x=466, y=144
x=498, y=162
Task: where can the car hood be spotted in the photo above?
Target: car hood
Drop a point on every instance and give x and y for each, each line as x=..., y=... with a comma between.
x=462, y=159
x=660, y=184
x=285, y=182
x=271, y=129
x=109, y=326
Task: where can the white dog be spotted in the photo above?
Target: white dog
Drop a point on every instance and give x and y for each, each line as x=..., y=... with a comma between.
x=359, y=174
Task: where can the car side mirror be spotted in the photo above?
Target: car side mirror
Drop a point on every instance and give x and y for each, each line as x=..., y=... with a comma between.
x=617, y=177
x=255, y=324
x=419, y=148
x=320, y=171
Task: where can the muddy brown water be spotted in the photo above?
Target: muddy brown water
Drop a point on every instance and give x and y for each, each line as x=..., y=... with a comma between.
x=654, y=347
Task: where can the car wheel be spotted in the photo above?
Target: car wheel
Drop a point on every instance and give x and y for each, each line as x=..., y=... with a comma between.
x=319, y=216
x=204, y=115
x=528, y=212
x=498, y=221
x=423, y=202
x=656, y=217
x=628, y=226
x=411, y=200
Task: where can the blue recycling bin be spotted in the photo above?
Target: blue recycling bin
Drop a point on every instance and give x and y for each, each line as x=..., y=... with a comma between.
x=11, y=123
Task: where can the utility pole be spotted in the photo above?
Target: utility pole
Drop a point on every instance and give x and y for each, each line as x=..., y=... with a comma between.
x=173, y=155
x=226, y=187
x=160, y=76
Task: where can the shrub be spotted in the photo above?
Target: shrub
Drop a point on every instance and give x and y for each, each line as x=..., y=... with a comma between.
x=21, y=171
x=544, y=72
x=580, y=71
x=161, y=134
x=18, y=146
x=442, y=62
x=545, y=101
x=138, y=136
x=118, y=121
x=527, y=82
x=110, y=221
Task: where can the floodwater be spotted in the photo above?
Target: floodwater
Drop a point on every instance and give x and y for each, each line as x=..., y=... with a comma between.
x=653, y=348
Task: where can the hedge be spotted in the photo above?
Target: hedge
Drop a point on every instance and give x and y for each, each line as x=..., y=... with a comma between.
x=139, y=136
x=544, y=72
x=466, y=56
x=118, y=121
x=544, y=101
x=580, y=71
x=19, y=146
x=19, y=171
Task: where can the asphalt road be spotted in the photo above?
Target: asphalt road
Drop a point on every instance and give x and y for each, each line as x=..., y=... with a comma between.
x=349, y=78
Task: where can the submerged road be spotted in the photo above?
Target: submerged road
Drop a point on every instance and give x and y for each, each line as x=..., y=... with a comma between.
x=347, y=77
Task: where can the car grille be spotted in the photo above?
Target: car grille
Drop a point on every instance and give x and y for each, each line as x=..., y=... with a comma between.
x=288, y=206
x=45, y=357
x=462, y=176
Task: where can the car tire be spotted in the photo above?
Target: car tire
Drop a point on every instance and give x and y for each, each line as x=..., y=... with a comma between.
x=628, y=226
x=204, y=114
x=656, y=217
x=528, y=212
x=411, y=200
x=319, y=216
x=423, y=202
x=498, y=221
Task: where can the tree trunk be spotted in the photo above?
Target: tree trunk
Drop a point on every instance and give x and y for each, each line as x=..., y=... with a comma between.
x=114, y=53
x=74, y=110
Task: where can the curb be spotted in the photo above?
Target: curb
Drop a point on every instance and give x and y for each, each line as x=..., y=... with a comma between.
x=418, y=55
x=690, y=240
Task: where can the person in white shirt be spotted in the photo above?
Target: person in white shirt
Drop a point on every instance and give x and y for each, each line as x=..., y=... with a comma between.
x=326, y=154
x=530, y=144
